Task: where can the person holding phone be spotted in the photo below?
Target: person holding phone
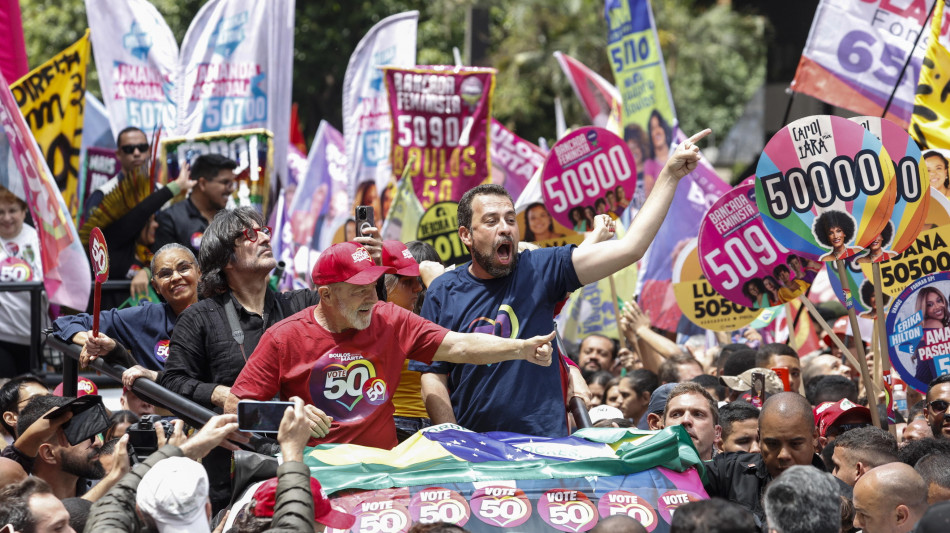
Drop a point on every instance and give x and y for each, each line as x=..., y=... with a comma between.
x=344, y=354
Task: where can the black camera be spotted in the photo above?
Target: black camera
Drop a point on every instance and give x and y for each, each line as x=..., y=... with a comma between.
x=142, y=435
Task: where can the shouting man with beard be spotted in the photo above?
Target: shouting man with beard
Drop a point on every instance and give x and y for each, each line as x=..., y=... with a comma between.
x=345, y=354
x=513, y=295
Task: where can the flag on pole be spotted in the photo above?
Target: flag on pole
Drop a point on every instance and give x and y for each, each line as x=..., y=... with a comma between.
x=402, y=221
x=599, y=97
x=930, y=122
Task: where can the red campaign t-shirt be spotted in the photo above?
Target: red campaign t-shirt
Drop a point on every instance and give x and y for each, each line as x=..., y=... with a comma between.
x=351, y=376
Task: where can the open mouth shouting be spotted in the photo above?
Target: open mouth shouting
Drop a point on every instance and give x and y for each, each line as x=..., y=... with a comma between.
x=505, y=250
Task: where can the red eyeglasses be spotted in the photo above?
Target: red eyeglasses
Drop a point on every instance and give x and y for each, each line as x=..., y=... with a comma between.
x=251, y=233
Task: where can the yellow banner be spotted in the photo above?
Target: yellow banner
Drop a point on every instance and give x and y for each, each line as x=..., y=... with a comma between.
x=52, y=99
x=700, y=302
x=930, y=123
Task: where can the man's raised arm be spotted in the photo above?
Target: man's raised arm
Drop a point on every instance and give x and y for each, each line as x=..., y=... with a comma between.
x=484, y=349
x=599, y=260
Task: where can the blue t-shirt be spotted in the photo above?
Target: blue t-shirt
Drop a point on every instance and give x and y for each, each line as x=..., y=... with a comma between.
x=515, y=396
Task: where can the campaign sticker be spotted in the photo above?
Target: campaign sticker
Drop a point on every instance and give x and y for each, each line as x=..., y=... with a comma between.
x=13, y=269
x=381, y=514
x=439, y=227
x=196, y=240
x=913, y=188
x=627, y=503
x=437, y=504
x=742, y=261
x=567, y=510
x=918, y=331
x=825, y=187
x=501, y=506
x=672, y=499
x=700, y=302
x=161, y=350
x=587, y=169
x=348, y=383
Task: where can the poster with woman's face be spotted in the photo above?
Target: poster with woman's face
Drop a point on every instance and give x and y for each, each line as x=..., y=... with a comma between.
x=825, y=187
x=918, y=331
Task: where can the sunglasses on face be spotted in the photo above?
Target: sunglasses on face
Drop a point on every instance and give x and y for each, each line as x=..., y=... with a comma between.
x=251, y=234
x=131, y=148
x=939, y=406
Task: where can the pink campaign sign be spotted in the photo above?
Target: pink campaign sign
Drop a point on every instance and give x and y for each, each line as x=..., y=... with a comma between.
x=587, y=169
x=742, y=261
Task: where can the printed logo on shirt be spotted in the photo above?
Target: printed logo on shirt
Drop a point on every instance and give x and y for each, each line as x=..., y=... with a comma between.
x=161, y=350
x=346, y=386
x=504, y=325
x=13, y=269
x=13, y=249
x=196, y=240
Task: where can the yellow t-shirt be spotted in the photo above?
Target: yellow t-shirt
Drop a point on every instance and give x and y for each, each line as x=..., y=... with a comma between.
x=408, y=396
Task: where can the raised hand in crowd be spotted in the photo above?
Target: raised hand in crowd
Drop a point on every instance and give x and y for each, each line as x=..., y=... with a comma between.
x=604, y=229
x=120, y=467
x=373, y=242
x=219, y=431
x=654, y=347
x=577, y=386
x=177, y=437
x=294, y=431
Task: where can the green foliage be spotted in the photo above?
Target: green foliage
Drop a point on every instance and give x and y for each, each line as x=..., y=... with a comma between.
x=715, y=56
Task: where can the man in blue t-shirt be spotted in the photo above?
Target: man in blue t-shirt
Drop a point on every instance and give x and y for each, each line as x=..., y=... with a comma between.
x=513, y=295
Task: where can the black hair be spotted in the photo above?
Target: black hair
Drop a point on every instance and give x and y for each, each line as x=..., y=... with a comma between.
x=643, y=380
x=669, y=370
x=528, y=234
x=15, y=511
x=833, y=219
x=934, y=153
x=916, y=409
x=780, y=268
x=714, y=515
x=207, y=166
x=667, y=130
x=739, y=362
x=465, y=204
x=422, y=251
x=822, y=389
x=707, y=381
x=867, y=292
x=10, y=397
x=757, y=283
x=599, y=377
x=766, y=352
x=872, y=445
x=939, y=380
x=36, y=408
x=127, y=129
x=934, y=468
x=218, y=244
x=120, y=417
x=886, y=234
x=574, y=210
x=736, y=411
x=78, y=510
x=911, y=452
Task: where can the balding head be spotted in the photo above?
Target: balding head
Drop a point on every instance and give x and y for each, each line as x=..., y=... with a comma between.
x=620, y=523
x=787, y=434
x=10, y=472
x=788, y=404
x=889, y=498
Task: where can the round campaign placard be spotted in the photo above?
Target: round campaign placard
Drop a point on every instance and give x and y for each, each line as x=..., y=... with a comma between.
x=99, y=253
x=584, y=170
x=672, y=499
x=824, y=186
x=383, y=514
x=918, y=331
x=438, y=504
x=623, y=502
x=567, y=510
x=501, y=506
x=912, y=182
x=439, y=227
x=699, y=301
x=738, y=255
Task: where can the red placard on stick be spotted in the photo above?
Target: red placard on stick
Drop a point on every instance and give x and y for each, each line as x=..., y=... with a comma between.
x=99, y=254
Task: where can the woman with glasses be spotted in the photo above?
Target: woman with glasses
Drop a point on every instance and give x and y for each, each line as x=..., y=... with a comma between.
x=144, y=330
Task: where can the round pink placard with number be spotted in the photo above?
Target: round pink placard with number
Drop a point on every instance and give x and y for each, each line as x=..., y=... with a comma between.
x=588, y=168
x=99, y=253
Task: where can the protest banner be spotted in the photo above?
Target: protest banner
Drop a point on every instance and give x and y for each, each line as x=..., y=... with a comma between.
x=824, y=186
x=100, y=166
x=700, y=302
x=66, y=271
x=742, y=261
x=931, y=118
x=513, y=159
x=440, y=119
x=137, y=59
x=598, y=96
x=367, y=127
x=439, y=227
x=547, y=486
x=322, y=195
x=13, y=63
x=856, y=51
x=589, y=169
x=253, y=150
x=918, y=327
x=51, y=98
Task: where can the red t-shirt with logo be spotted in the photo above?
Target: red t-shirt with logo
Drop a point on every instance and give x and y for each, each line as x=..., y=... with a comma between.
x=351, y=375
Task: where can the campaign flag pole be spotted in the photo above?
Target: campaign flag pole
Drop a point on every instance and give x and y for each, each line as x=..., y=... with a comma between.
x=789, y=311
x=99, y=253
x=828, y=329
x=882, y=361
x=869, y=384
x=906, y=64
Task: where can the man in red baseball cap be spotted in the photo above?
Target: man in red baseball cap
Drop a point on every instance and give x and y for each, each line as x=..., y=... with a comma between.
x=834, y=418
x=344, y=355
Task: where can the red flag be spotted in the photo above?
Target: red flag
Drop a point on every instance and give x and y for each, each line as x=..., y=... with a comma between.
x=599, y=96
x=296, y=132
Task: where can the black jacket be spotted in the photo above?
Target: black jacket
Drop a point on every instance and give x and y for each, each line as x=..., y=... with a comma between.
x=181, y=223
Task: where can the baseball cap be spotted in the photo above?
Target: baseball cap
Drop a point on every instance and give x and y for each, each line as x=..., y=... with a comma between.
x=841, y=328
x=743, y=382
x=266, y=498
x=396, y=255
x=174, y=493
x=604, y=412
x=347, y=262
x=84, y=386
x=827, y=413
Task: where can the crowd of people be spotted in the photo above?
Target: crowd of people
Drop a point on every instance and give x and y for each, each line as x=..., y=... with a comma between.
x=389, y=341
